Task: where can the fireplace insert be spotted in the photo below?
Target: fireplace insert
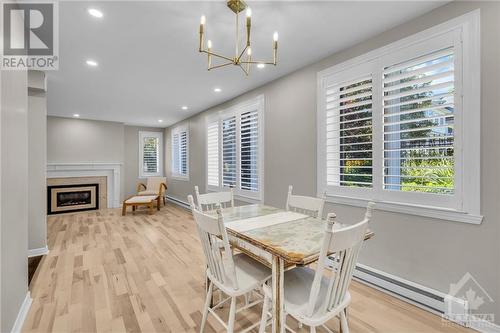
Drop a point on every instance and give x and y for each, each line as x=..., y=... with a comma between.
x=72, y=198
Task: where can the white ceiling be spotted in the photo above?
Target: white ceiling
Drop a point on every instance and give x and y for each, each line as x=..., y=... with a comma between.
x=149, y=65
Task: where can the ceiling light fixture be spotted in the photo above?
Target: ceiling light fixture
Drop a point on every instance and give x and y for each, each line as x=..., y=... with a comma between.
x=184, y=107
x=76, y=115
x=160, y=120
x=217, y=90
x=261, y=66
x=92, y=63
x=95, y=12
x=236, y=6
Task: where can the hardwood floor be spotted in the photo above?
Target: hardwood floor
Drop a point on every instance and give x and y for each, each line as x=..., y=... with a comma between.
x=144, y=273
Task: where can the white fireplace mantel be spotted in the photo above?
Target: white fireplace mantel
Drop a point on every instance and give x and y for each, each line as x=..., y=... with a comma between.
x=112, y=171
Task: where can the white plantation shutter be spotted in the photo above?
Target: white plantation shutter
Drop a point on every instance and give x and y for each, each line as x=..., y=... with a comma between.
x=180, y=152
x=400, y=125
x=183, y=152
x=418, y=124
x=175, y=153
x=349, y=151
x=234, y=149
x=229, y=152
x=213, y=154
x=249, y=151
x=150, y=153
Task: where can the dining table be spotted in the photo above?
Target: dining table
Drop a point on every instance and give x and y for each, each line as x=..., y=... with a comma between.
x=279, y=239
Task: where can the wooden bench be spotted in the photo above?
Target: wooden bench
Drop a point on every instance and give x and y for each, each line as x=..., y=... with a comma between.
x=141, y=200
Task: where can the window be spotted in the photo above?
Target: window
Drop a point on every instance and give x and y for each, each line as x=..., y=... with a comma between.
x=150, y=144
x=234, y=149
x=393, y=125
x=180, y=153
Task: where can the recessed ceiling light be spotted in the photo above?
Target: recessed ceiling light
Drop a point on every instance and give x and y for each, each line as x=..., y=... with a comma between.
x=92, y=63
x=160, y=120
x=184, y=107
x=261, y=65
x=95, y=12
x=76, y=115
x=217, y=90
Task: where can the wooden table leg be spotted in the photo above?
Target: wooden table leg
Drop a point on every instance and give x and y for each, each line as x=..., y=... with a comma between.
x=158, y=203
x=278, y=308
x=124, y=209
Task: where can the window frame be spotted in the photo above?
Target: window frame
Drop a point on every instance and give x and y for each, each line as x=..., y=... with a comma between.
x=159, y=136
x=253, y=104
x=463, y=34
x=178, y=130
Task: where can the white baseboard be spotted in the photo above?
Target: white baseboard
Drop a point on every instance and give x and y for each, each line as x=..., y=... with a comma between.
x=38, y=252
x=423, y=297
x=484, y=326
x=21, y=315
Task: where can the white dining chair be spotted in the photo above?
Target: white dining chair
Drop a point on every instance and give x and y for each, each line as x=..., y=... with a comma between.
x=303, y=204
x=209, y=201
x=235, y=275
x=313, y=297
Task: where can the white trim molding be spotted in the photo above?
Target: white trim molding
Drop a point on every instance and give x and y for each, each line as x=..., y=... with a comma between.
x=462, y=36
x=23, y=312
x=111, y=170
x=410, y=209
x=38, y=252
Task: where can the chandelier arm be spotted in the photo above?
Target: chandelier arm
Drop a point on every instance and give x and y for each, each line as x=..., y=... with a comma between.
x=217, y=55
x=256, y=62
x=221, y=65
x=243, y=69
x=241, y=54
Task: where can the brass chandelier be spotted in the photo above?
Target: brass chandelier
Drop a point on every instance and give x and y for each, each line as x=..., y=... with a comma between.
x=242, y=58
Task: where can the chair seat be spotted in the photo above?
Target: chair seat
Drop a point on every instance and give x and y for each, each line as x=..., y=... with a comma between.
x=148, y=192
x=297, y=288
x=250, y=275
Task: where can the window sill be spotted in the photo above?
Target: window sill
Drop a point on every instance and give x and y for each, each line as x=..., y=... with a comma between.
x=418, y=210
x=144, y=176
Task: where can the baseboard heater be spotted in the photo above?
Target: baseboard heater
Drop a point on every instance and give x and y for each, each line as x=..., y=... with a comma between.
x=178, y=202
x=420, y=296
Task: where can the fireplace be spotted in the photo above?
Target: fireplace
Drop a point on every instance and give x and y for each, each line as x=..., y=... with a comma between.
x=72, y=198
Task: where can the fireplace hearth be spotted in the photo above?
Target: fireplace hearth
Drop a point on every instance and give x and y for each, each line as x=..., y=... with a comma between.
x=72, y=198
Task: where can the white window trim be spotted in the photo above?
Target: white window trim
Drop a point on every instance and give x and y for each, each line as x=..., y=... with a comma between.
x=142, y=135
x=178, y=130
x=248, y=105
x=468, y=181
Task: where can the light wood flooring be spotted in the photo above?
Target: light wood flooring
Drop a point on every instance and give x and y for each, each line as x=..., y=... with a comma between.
x=142, y=273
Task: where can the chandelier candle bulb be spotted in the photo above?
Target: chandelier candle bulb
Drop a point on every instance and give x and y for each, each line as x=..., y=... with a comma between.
x=202, y=30
x=249, y=24
x=209, y=46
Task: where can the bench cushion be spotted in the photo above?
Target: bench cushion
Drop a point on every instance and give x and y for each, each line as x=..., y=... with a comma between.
x=141, y=199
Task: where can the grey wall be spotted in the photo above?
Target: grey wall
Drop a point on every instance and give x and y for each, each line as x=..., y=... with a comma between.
x=79, y=140
x=132, y=156
x=431, y=252
x=13, y=195
x=37, y=157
